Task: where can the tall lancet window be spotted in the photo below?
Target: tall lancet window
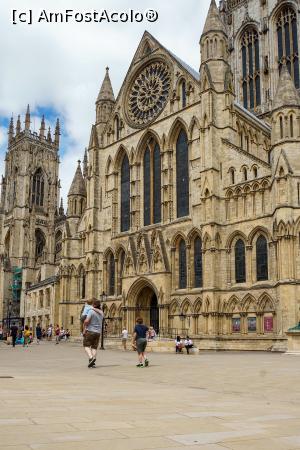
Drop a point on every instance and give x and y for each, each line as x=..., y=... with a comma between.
x=37, y=188
x=250, y=69
x=152, y=184
x=125, y=194
x=182, y=175
x=287, y=36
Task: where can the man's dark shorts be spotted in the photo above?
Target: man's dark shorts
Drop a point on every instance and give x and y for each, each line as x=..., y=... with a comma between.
x=141, y=345
x=91, y=339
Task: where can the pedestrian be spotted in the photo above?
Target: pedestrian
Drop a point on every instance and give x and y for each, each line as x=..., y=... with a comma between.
x=139, y=340
x=178, y=344
x=26, y=336
x=14, y=333
x=57, y=334
x=124, y=338
x=92, y=327
x=188, y=343
x=38, y=333
x=152, y=334
x=49, y=332
x=1, y=333
x=68, y=334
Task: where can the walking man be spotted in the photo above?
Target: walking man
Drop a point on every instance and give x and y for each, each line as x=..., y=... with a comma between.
x=14, y=334
x=139, y=340
x=92, y=327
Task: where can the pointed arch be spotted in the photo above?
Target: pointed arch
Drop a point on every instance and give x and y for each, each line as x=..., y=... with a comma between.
x=175, y=129
x=194, y=125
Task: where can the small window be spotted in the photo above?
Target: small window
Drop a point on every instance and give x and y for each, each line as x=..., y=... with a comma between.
x=232, y=176
x=255, y=172
x=245, y=174
x=183, y=93
x=281, y=127
x=291, y=126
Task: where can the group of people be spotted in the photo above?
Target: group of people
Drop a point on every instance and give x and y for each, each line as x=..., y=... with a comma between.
x=186, y=343
x=92, y=322
x=25, y=336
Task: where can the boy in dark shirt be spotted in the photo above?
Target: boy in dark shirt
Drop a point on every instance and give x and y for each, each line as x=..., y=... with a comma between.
x=139, y=340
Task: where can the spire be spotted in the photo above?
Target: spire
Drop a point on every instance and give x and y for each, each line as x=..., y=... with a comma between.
x=85, y=164
x=213, y=20
x=78, y=185
x=49, y=138
x=106, y=91
x=43, y=127
x=11, y=130
x=61, y=208
x=57, y=133
x=27, y=119
x=286, y=94
x=18, y=127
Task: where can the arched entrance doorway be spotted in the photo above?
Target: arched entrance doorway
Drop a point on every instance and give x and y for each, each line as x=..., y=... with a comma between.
x=146, y=306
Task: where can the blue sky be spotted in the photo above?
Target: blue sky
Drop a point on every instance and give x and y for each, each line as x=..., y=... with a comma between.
x=58, y=68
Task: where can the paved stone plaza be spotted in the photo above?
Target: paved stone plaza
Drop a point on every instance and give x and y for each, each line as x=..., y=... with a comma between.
x=212, y=401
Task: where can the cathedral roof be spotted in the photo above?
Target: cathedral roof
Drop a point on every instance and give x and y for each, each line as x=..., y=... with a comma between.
x=106, y=92
x=78, y=185
x=286, y=94
x=213, y=20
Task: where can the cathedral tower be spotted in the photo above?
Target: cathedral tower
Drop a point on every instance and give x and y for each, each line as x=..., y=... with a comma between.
x=29, y=202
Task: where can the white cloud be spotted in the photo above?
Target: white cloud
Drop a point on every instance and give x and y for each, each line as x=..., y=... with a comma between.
x=62, y=65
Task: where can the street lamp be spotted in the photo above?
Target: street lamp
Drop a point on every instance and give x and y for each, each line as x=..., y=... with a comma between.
x=103, y=298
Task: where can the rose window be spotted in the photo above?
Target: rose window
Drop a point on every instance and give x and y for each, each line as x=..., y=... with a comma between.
x=149, y=93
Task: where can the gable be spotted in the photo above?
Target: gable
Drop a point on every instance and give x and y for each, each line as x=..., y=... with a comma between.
x=149, y=88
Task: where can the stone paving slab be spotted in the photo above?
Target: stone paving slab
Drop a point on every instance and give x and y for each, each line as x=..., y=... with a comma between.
x=214, y=401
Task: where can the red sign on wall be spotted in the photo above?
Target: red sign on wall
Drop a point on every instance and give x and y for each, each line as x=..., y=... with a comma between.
x=268, y=324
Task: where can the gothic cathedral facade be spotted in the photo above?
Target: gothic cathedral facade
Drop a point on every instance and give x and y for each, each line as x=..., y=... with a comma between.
x=187, y=208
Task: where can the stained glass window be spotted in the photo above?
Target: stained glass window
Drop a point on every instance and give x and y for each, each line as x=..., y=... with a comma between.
x=262, y=258
x=152, y=184
x=182, y=174
x=240, y=262
x=182, y=265
x=287, y=38
x=147, y=188
x=125, y=194
x=111, y=274
x=250, y=69
x=198, y=262
x=156, y=185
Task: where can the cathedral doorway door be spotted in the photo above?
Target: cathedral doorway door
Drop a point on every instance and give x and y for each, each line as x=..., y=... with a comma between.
x=147, y=307
x=154, y=313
